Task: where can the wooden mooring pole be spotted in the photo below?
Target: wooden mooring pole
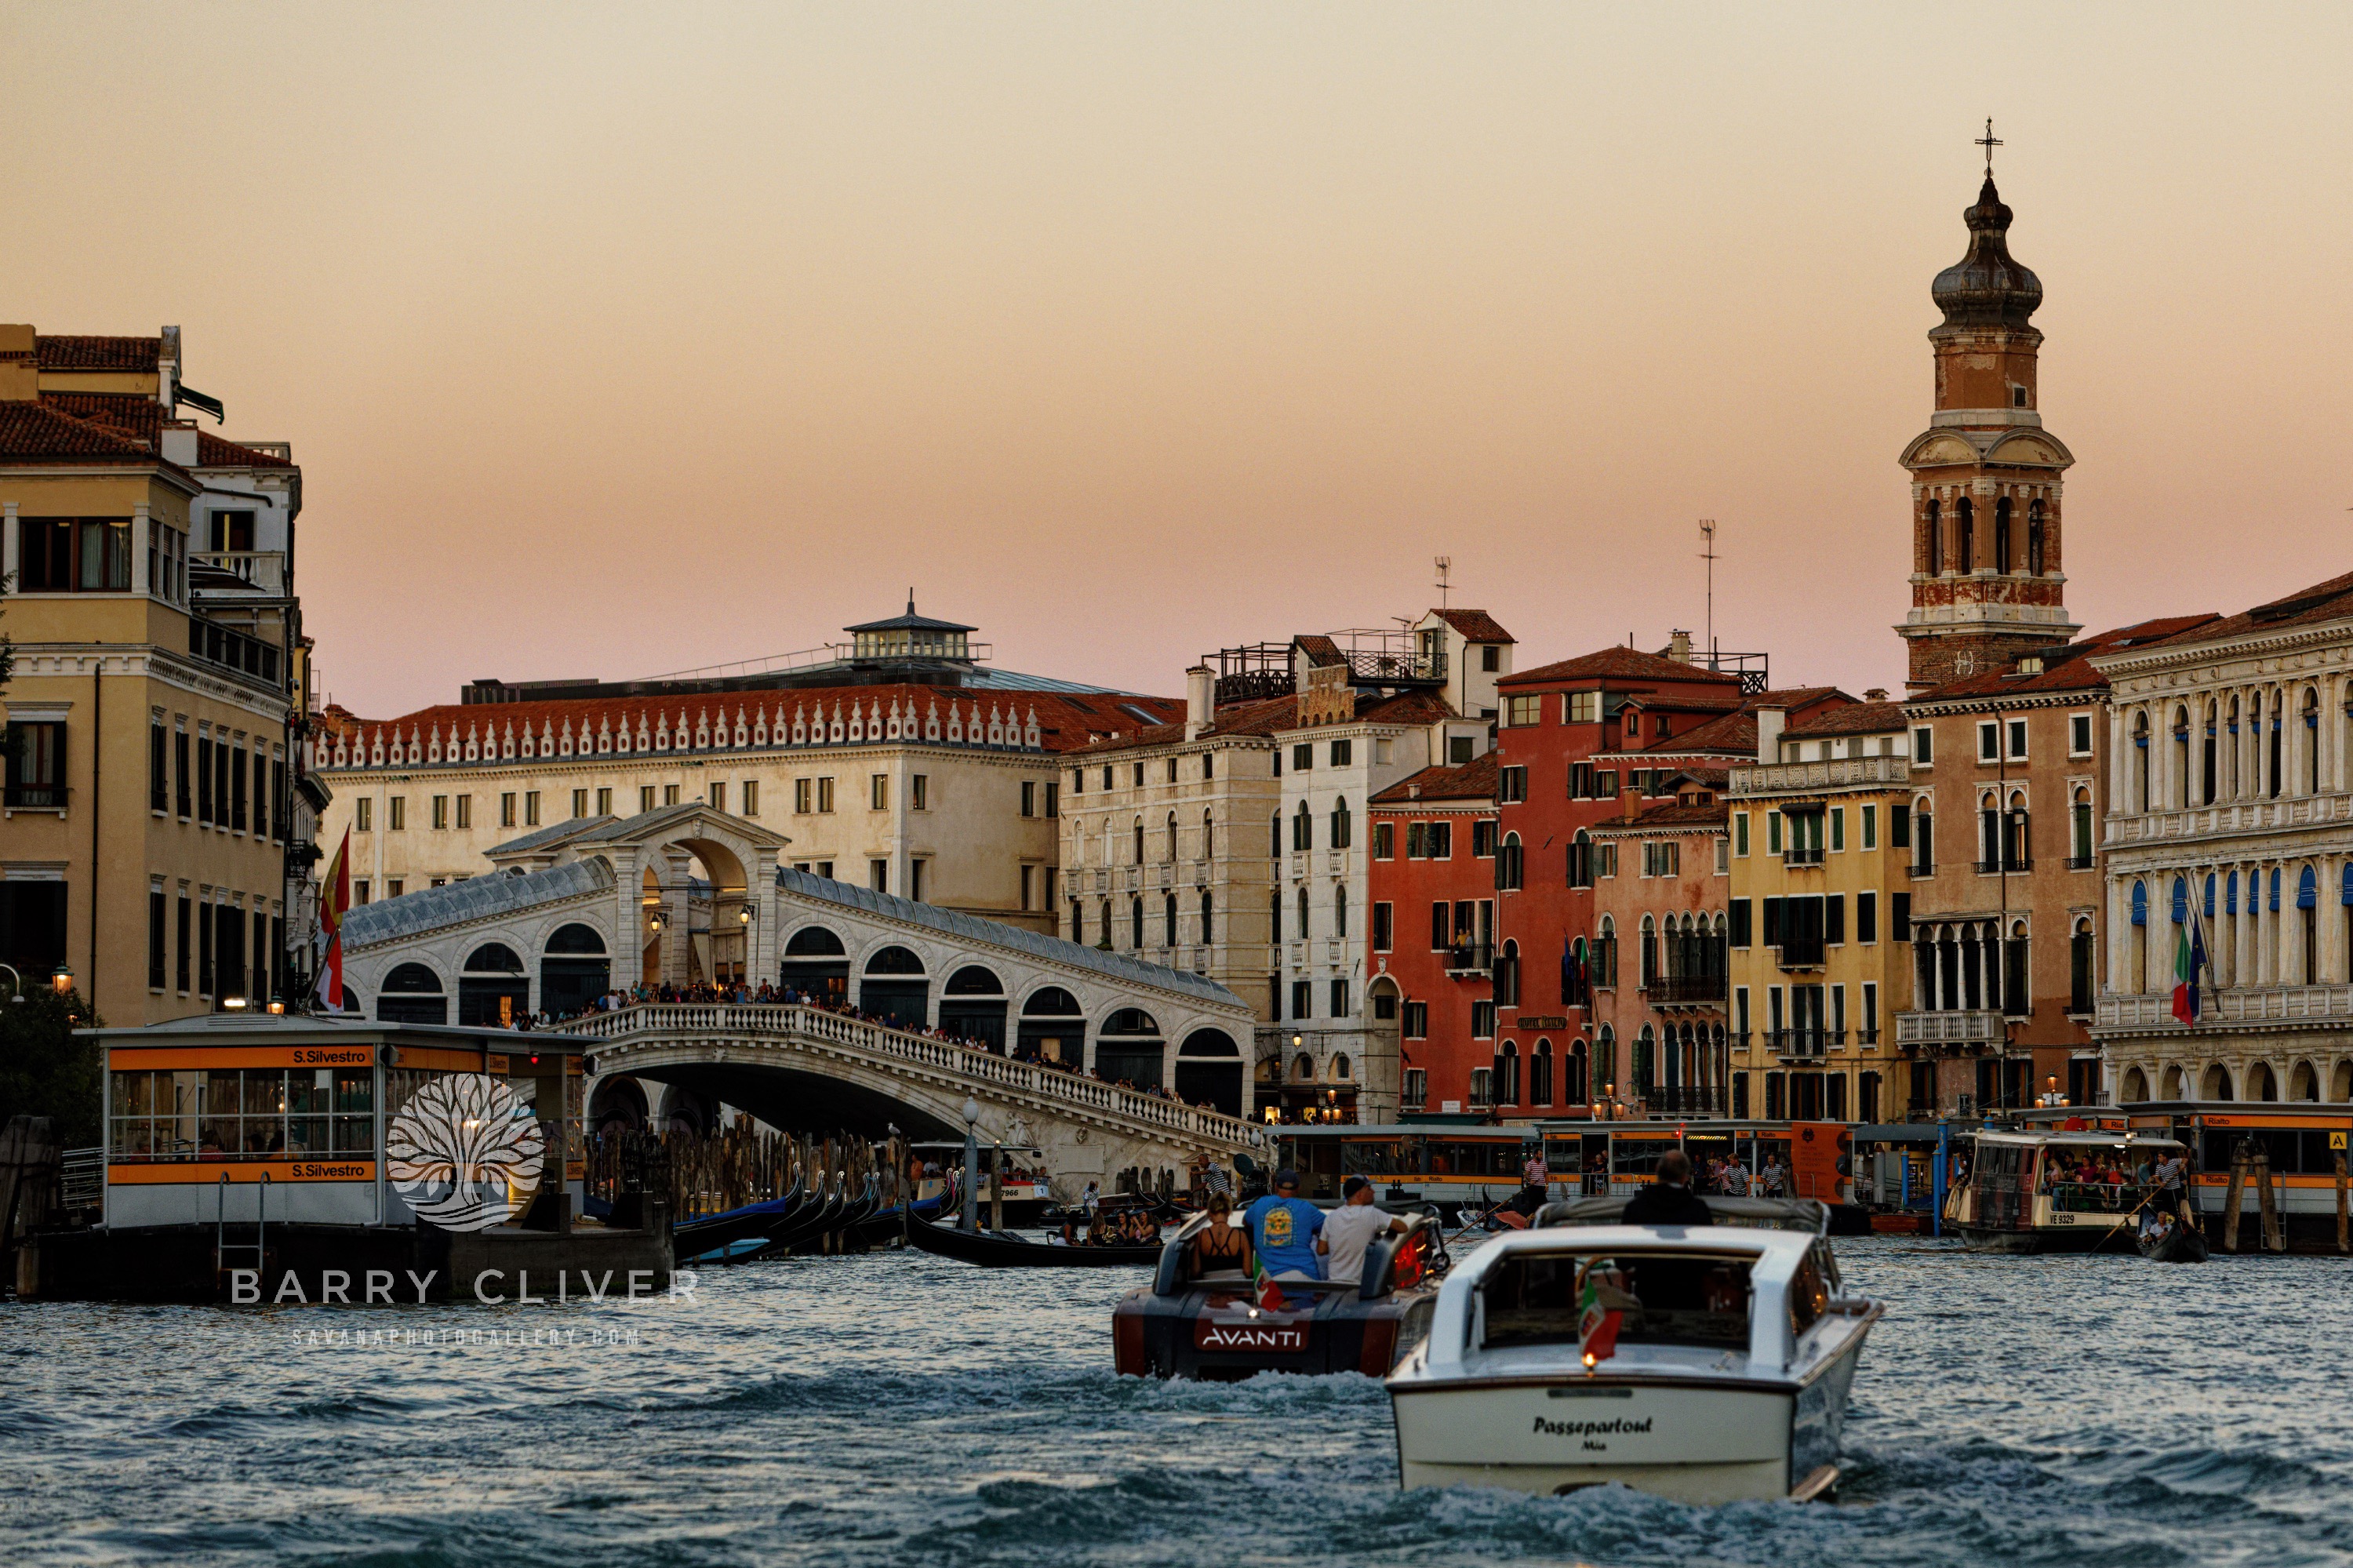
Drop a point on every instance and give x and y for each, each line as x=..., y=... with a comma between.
x=2267, y=1202
x=2341, y=1203
x=2237, y=1194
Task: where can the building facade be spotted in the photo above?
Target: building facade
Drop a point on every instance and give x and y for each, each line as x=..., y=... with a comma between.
x=150, y=774
x=2229, y=766
x=902, y=765
x=1432, y=938
x=1819, y=926
x=1662, y=886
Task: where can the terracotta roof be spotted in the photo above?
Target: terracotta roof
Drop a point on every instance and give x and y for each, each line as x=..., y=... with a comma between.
x=33, y=431
x=97, y=352
x=1061, y=728
x=1474, y=781
x=2069, y=669
x=1405, y=707
x=1716, y=813
x=1861, y=718
x=1619, y=665
x=135, y=413
x=1476, y=625
x=1263, y=717
x=2330, y=600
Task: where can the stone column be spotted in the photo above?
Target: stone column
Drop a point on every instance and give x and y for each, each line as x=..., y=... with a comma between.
x=678, y=913
x=142, y=528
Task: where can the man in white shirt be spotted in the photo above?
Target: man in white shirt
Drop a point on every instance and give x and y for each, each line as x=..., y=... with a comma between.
x=1349, y=1229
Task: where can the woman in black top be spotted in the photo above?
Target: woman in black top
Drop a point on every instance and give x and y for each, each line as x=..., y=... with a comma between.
x=1220, y=1245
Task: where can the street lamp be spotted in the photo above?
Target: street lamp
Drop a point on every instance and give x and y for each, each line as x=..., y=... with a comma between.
x=15, y=983
x=61, y=978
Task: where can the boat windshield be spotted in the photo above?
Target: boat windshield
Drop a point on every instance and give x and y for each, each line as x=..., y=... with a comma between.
x=1667, y=1297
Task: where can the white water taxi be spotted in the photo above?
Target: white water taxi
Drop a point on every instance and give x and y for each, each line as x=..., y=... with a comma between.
x=1728, y=1378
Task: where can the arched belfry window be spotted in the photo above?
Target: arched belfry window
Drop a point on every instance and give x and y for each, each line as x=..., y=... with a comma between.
x=2001, y=562
x=1933, y=561
x=1965, y=537
x=2037, y=547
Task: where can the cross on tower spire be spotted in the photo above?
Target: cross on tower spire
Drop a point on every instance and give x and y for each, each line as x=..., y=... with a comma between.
x=1988, y=142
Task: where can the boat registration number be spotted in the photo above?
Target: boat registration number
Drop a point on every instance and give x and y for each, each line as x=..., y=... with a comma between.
x=1269, y=1338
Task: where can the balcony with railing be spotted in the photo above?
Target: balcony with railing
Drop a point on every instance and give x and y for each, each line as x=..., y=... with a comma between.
x=1470, y=958
x=2080, y=861
x=1803, y=1044
x=1770, y=777
x=2234, y=1006
x=1685, y=990
x=237, y=573
x=1682, y=1099
x=2015, y=863
x=1953, y=1032
x=1802, y=854
x=1922, y=869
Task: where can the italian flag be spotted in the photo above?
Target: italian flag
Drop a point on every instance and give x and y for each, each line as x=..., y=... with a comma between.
x=1596, y=1326
x=1269, y=1295
x=335, y=901
x=2189, y=958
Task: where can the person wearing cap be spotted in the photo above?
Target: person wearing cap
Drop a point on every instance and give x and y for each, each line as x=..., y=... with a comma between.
x=1669, y=1201
x=1349, y=1229
x=1283, y=1227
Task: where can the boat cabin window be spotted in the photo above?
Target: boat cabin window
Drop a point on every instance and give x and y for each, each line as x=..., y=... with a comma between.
x=1810, y=1295
x=1668, y=1298
x=2293, y=1152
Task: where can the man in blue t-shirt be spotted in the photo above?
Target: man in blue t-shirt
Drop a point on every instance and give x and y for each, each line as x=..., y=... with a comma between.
x=1284, y=1229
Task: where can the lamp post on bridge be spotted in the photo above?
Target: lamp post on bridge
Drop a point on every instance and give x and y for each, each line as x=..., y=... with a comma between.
x=971, y=1221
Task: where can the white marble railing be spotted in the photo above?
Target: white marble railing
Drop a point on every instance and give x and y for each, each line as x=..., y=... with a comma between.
x=1826, y=774
x=976, y=1068
x=1948, y=1028
x=2232, y=1004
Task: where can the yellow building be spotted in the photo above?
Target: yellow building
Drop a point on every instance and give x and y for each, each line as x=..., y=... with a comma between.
x=143, y=853
x=1820, y=916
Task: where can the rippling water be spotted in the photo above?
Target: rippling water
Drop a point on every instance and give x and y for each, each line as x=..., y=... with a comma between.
x=902, y=1409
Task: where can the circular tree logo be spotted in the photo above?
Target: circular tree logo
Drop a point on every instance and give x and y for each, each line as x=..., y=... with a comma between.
x=464, y=1151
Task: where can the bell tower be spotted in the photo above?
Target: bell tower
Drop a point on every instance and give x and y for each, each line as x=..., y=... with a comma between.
x=1986, y=584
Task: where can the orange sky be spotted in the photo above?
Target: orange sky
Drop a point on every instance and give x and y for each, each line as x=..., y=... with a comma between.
x=619, y=339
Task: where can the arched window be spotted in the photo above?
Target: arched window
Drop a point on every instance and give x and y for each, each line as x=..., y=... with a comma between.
x=973, y=980
x=2001, y=559
x=494, y=959
x=1303, y=1068
x=2276, y=779
x=1106, y=928
x=1339, y=909
x=1507, y=975
x=2177, y=786
x=813, y=942
x=1508, y=862
x=1303, y=932
x=1650, y=954
x=1645, y=1050
x=2140, y=800
x=1580, y=860
x=1343, y=831
x=2309, y=739
x=1172, y=838
x=1340, y=1067
x=2231, y=774
x=2035, y=538
x=576, y=939
x=413, y=979
x=1136, y=922
x=2079, y=966
x=1274, y=916
x=1540, y=1074
x=1933, y=561
x=1208, y=931
x=1139, y=841
x=2307, y=904
x=1302, y=829
x=1577, y=1088
x=1207, y=847
x=1605, y=957
x=1168, y=918
x=894, y=960
x=1507, y=1075
x=1964, y=541
x=1604, y=1080
x=1274, y=837
x=1049, y=1001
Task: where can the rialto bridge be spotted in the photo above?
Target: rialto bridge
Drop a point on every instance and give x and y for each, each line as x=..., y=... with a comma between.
x=1097, y=1059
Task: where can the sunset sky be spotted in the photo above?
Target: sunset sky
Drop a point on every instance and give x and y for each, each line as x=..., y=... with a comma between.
x=617, y=340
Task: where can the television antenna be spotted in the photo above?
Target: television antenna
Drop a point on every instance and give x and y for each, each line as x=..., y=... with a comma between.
x=1707, y=554
x=1445, y=569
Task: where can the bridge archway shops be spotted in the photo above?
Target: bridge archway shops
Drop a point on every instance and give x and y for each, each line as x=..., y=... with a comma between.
x=1209, y=1071
x=1052, y=1028
x=895, y=985
x=972, y=1005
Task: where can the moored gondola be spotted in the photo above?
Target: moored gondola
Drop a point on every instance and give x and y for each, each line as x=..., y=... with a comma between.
x=2176, y=1242
x=719, y=1232
x=1000, y=1249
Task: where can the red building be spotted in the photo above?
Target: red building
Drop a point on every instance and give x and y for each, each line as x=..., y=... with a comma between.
x=1433, y=929
x=1572, y=739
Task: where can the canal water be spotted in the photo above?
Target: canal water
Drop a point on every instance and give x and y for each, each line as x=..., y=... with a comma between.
x=904, y=1410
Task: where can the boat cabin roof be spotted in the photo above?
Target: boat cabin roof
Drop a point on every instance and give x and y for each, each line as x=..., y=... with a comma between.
x=2137, y=1139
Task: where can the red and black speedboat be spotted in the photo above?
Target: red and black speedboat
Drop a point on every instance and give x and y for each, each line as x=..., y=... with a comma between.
x=1211, y=1327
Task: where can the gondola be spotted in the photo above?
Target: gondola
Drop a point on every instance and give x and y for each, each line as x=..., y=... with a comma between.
x=828, y=1213
x=998, y=1249
x=853, y=1213
x=715, y=1233
x=2185, y=1243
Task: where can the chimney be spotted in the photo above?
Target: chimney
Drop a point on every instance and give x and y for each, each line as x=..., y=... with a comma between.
x=1679, y=647
x=20, y=370
x=179, y=441
x=1629, y=803
x=1200, y=700
x=1770, y=722
x=1874, y=693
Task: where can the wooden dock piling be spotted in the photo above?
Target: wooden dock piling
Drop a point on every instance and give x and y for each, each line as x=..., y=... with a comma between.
x=2236, y=1196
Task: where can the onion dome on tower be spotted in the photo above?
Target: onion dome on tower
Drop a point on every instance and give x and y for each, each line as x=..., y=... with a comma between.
x=1987, y=287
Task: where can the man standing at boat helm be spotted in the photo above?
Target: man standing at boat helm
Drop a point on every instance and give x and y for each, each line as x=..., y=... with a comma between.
x=1349, y=1229
x=1669, y=1201
x=1283, y=1227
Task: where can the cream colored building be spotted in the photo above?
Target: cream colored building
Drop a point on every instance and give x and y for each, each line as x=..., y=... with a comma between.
x=2230, y=810
x=144, y=842
x=902, y=765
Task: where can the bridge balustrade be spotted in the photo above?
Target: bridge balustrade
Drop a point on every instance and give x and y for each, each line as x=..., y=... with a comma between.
x=782, y=1020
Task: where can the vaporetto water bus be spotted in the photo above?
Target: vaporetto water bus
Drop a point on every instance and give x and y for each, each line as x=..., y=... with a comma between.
x=2057, y=1189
